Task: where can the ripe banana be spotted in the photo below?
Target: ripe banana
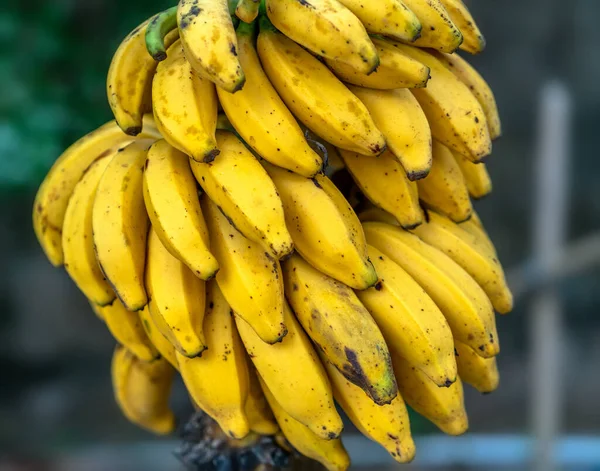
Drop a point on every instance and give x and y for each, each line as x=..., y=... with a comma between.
x=295, y=376
x=387, y=17
x=329, y=452
x=466, y=250
x=445, y=189
x=171, y=198
x=476, y=176
x=164, y=347
x=398, y=114
x=443, y=406
x=396, y=70
x=341, y=328
x=473, y=40
x=247, y=11
x=475, y=227
x=387, y=425
x=437, y=29
x=316, y=96
x=257, y=408
x=176, y=295
x=120, y=224
x=369, y=212
x=324, y=228
x=126, y=327
x=464, y=304
x=161, y=33
x=481, y=373
x=249, y=278
x=218, y=380
x=327, y=28
x=412, y=324
x=78, y=245
x=208, y=38
x=262, y=119
x=185, y=106
x=242, y=190
x=142, y=391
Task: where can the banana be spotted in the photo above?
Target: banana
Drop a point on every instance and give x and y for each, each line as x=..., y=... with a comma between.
x=249, y=278
x=396, y=70
x=329, y=452
x=257, y=408
x=142, y=391
x=370, y=212
x=464, y=304
x=120, y=224
x=445, y=189
x=444, y=407
x=327, y=28
x=241, y=188
x=387, y=17
x=467, y=74
x=164, y=347
x=387, y=425
x=176, y=295
x=481, y=373
x=218, y=380
x=171, y=198
x=341, y=328
x=324, y=228
x=208, y=38
x=474, y=226
x=476, y=176
x=466, y=250
x=413, y=326
x=161, y=33
x=473, y=40
x=294, y=374
x=185, y=106
x=437, y=29
x=78, y=245
x=247, y=11
x=384, y=182
x=315, y=95
x=262, y=119
x=398, y=114
x=126, y=327
x=55, y=191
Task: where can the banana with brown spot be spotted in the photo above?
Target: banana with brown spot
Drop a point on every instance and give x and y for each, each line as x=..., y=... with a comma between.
x=437, y=29
x=481, y=373
x=473, y=40
x=477, y=178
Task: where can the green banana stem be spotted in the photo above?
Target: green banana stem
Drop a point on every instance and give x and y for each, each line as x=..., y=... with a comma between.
x=224, y=124
x=266, y=25
x=244, y=28
x=161, y=25
x=262, y=9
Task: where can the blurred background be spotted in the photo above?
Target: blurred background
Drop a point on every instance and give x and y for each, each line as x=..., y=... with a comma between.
x=56, y=406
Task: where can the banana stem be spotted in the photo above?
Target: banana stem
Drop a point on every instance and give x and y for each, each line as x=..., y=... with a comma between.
x=246, y=28
x=266, y=25
x=161, y=25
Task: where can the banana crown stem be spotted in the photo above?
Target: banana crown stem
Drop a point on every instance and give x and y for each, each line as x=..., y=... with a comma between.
x=161, y=25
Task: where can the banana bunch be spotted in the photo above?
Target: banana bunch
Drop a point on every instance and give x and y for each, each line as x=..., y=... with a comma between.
x=281, y=213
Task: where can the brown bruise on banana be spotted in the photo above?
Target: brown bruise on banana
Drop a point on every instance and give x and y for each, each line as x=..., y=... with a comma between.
x=446, y=38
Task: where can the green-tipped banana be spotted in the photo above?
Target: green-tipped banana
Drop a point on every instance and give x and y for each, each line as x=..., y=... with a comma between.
x=160, y=25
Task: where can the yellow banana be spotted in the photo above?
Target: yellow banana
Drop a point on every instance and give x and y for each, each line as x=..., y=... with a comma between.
x=341, y=328
x=471, y=255
x=257, y=408
x=262, y=119
x=126, y=327
x=120, y=224
x=247, y=11
x=325, y=27
x=78, y=245
x=218, y=380
x=473, y=40
x=398, y=114
x=316, y=96
x=241, y=188
x=176, y=295
x=249, y=278
x=185, y=106
x=164, y=347
x=464, y=304
x=467, y=74
x=369, y=212
x=53, y=195
x=437, y=29
x=396, y=70
x=413, y=326
x=208, y=38
x=476, y=176
x=387, y=425
x=324, y=228
x=387, y=17
x=475, y=227
x=142, y=391
x=329, y=452
x=481, y=373
x=445, y=189
x=444, y=407
x=294, y=374
x=171, y=197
